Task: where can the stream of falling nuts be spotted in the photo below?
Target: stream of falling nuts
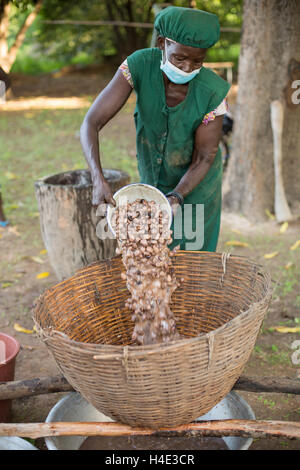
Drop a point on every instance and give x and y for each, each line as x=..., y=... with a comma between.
x=143, y=236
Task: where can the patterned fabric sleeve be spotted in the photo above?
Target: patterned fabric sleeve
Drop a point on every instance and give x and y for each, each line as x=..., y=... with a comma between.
x=221, y=109
x=126, y=72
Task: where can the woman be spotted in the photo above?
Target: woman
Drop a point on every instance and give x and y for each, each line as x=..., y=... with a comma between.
x=178, y=118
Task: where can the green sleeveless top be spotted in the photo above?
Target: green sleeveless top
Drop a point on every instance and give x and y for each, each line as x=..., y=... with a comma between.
x=165, y=140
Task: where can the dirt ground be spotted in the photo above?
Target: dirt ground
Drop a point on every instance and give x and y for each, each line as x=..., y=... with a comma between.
x=272, y=355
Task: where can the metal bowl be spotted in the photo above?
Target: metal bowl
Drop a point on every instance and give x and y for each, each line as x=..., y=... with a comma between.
x=131, y=192
x=75, y=408
x=15, y=443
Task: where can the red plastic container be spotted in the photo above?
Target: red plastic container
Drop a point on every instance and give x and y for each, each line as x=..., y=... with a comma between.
x=9, y=349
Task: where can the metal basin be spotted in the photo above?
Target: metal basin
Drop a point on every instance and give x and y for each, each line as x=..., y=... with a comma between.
x=15, y=443
x=75, y=408
x=134, y=191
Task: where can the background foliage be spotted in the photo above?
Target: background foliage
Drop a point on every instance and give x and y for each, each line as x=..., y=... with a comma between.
x=48, y=47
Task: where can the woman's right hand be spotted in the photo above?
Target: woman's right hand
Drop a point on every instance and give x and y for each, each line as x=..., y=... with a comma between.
x=102, y=193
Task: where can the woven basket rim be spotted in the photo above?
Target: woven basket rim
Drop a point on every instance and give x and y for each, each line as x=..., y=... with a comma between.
x=199, y=253
x=117, y=351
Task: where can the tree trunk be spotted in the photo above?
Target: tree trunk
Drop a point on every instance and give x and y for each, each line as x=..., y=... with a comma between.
x=4, y=24
x=128, y=39
x=269, y=65
x=69, y=222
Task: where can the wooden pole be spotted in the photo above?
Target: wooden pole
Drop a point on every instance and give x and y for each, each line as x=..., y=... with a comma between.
x=281, y=207
x=230, y=427
x=100, y=23
x=131, y=24
x=57, y=383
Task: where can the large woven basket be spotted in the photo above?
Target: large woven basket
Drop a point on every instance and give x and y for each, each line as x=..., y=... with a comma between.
x=219, y=309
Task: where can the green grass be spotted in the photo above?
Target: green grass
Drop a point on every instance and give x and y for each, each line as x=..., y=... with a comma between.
x=288, y=279
x=267, y=402
x=273, y=355
x=37, y=143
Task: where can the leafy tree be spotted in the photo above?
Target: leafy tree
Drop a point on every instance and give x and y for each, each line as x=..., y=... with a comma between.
x=31, y=9
x=64, y=42
x=229, y=13
x=100, y=41
x=115, y=41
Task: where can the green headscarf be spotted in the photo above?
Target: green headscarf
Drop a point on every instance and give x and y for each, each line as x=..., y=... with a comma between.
x=189, y=27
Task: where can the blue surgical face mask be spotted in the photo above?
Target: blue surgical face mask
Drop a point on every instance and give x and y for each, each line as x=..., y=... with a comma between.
x=175, y=74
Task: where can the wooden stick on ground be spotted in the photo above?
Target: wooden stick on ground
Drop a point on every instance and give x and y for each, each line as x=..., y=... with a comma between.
x=242, y=428
x=57, y=383
x=268, y=384
x=36, y=386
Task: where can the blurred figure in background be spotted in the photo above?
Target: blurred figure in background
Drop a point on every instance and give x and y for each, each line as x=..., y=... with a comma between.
x=3, y=221
x=5, y=84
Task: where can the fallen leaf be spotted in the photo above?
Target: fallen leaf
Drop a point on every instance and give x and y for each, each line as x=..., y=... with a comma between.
x=289, y=265
x=235, y=230
x=10, y=176
x=284, y=227
x=271, y=255
x=6, y=284
x=286, y=329
x=43, y=252
x=20, y=328
x=271, y=216
x=37, y=259
x=237, y=243
x=12, y=206
x=42, y=275
x=295, y=245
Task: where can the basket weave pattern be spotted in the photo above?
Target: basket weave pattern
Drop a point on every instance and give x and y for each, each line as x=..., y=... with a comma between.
x=219, y=309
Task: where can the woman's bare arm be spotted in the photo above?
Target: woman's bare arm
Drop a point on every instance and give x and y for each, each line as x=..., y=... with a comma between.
x=104, y=108
x=206, y=143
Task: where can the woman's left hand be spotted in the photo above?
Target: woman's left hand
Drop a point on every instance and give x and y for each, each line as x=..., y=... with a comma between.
x=173, y=203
